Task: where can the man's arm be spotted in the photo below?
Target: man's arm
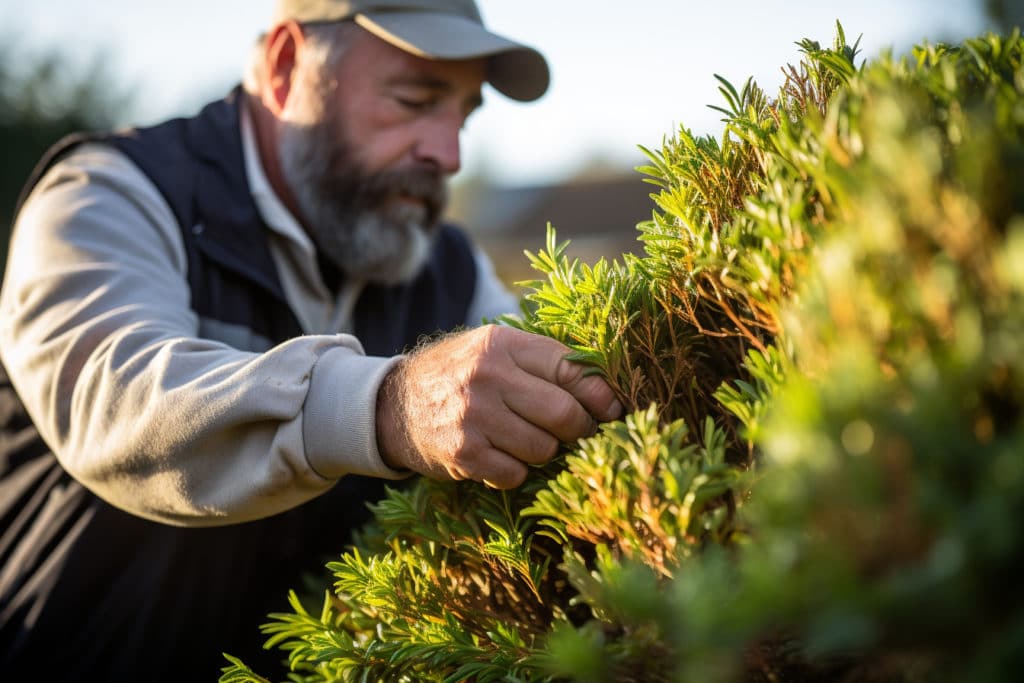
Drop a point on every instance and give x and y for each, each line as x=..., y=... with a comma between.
x=100, y=341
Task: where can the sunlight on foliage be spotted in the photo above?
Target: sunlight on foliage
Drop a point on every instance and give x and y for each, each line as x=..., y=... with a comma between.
x=819, y=474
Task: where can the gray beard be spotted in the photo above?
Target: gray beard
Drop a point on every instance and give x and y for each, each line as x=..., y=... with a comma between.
x=358, y=220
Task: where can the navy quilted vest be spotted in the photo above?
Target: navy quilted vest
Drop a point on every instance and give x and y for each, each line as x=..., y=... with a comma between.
x=88, y=592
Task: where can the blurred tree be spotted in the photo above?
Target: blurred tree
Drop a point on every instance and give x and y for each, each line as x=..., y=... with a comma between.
x=44, y=96
x=1006, y=13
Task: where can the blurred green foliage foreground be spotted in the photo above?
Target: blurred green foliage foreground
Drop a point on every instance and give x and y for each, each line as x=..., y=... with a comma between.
x=821, y=473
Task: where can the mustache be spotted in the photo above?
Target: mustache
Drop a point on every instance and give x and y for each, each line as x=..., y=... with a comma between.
x=363, y=190
x=423, y=184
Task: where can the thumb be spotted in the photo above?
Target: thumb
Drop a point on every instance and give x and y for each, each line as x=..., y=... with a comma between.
x=588, y=387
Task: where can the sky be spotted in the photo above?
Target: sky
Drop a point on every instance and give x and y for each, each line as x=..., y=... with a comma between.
x=624, y=74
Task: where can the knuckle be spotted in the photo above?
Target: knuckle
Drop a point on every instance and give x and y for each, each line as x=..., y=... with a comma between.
x=472, y=370
x=594, y=392
x=481, y=352
x=548, y=448
x=462, y=453
x=489, y=337
x=539, y=448
x=567, y=373
x=594, y=387
x=506, y=341
x=516, y=479
x=509, y=476
x=565, y=412
x=465, y=454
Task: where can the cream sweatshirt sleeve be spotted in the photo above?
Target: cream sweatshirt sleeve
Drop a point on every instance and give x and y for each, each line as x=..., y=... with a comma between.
x=99, y=340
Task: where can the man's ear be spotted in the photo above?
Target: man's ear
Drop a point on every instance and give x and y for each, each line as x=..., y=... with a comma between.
x=279, y=61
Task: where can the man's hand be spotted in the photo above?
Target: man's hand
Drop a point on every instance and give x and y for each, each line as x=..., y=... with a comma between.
x=484, y=404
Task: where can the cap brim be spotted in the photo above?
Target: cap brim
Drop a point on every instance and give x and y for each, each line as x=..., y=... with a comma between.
x=515, y=70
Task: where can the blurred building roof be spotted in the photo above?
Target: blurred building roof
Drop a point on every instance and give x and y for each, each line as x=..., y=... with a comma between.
x=597, y=213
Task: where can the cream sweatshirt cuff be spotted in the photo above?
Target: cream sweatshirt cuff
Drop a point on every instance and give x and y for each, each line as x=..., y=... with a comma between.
x=339, y=417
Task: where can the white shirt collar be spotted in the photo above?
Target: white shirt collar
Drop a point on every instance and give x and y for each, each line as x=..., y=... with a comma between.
x=273, y=212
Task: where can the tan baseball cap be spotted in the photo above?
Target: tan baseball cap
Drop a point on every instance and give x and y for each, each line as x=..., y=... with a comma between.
x=435, y=29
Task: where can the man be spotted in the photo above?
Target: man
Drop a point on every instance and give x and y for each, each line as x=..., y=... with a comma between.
x=204, y=325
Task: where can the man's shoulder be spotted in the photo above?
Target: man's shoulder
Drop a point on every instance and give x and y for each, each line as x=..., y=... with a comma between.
x=182, y=139
x=88, y=164
x=127, y=155
x=92, y=157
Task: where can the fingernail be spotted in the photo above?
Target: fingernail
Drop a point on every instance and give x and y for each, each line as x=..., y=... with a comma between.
x=614, y=410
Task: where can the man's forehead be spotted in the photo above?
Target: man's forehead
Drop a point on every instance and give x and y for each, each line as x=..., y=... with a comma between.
x=370, y=54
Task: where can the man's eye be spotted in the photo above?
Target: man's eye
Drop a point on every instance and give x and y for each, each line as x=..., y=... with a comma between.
x=415, y=105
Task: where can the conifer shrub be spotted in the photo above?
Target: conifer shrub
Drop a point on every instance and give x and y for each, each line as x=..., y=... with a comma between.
x=820, y=475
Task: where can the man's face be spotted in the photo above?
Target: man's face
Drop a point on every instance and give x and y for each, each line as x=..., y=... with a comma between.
x=366, y=149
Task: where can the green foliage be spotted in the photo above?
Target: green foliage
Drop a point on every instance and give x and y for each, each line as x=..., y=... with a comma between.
x=820, y=474
x=628, y=324
x=644, y=489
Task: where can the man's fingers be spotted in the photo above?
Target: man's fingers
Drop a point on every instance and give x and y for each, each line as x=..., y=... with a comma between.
x=493, y=467
x=546, y=358
x=522, y=439
x=591, y=390
x=549, y=407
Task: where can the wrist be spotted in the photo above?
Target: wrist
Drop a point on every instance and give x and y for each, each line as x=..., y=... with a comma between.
x=393, y=443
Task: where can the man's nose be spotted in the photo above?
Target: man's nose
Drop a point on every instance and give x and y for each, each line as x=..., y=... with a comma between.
x=439, y=144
